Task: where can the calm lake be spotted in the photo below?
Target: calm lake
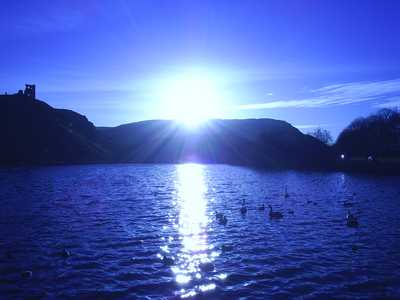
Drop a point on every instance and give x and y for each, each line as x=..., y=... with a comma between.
x=150, y=232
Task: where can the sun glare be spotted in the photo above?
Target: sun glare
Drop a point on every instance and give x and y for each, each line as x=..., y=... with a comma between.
x=191, y=100
x=196, y=253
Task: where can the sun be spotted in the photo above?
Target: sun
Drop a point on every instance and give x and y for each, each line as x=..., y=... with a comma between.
x=191, y=99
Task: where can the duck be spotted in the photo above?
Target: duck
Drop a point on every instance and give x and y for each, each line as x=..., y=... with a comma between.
x=223, y=220
x=243, y=209
x=274, y=214
x=261, y=207
x=351, y=220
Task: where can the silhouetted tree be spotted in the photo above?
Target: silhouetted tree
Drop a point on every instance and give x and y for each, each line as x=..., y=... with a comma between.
x=377, y=134
x=322, y=134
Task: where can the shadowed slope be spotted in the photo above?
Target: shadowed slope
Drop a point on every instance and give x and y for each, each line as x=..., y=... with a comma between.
x=260, y=142
x=34, y=132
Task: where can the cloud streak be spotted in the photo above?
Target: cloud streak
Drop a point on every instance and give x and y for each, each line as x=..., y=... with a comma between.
x=391, y=103
x=382, y=93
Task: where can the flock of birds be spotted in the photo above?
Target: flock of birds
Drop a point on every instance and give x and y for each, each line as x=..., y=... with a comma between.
x=351, y=220
x=221, y=218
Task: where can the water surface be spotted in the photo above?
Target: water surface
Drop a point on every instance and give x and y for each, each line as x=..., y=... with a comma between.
x=149, y=232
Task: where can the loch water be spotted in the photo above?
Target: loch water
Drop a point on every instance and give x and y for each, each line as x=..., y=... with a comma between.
x=149, y=232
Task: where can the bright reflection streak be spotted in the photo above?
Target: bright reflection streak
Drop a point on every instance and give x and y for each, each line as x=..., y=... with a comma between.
x=207, y=287
x=195, y=256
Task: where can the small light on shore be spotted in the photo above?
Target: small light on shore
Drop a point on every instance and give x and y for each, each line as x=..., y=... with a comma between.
x=342, y=156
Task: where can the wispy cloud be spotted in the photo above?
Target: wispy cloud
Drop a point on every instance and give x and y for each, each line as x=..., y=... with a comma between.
x=386, y=92
x=390, y=103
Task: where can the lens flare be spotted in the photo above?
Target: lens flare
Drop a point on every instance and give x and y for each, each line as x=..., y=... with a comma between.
x=191, y=99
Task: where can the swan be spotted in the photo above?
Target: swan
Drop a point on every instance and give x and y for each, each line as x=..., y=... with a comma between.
x=286, y=192
x=168, y=261
x=351, y=220
x=66, y=253
x=218, y=215
x=243, y=209
x=274, y=214
x=226, y=248
x=207, y=267
x=347, y=204
x=27, y=274
x=223, y=220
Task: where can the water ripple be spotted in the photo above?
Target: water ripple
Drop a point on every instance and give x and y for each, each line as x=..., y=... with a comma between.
x=150, y=232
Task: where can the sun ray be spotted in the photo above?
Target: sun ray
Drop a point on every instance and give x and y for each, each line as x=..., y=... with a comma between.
x=191, y=100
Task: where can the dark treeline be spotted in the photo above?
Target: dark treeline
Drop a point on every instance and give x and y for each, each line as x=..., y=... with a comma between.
x=377, y=135
x=32, y=132
x=371, y=143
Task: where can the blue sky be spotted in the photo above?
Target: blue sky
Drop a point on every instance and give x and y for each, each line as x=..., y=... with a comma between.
x=311, y=63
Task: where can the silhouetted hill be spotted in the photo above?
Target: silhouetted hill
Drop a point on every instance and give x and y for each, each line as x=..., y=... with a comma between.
x=33, y=132
x=260, y=142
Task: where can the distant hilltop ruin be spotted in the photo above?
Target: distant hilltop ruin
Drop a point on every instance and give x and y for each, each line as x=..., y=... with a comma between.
x=29, y=92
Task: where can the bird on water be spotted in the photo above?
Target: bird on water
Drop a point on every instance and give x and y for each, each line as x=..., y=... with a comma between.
x=243, y=209
x=274, y=214
x=351, y=220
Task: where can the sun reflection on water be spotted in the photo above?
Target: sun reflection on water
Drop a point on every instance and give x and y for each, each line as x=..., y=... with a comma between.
x=194, y=262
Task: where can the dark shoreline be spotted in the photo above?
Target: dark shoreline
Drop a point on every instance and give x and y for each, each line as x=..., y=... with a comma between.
x=32, y=133
x=352, y=167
